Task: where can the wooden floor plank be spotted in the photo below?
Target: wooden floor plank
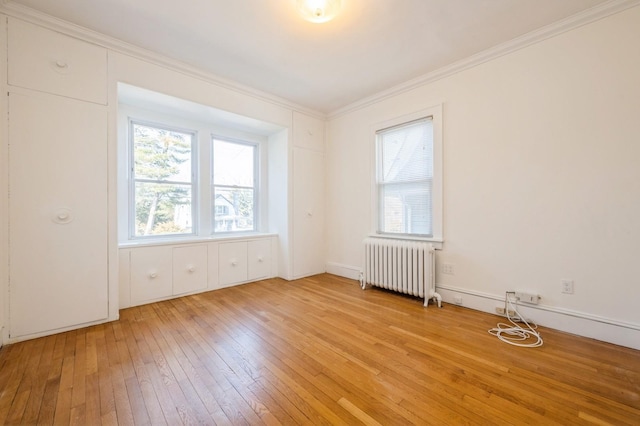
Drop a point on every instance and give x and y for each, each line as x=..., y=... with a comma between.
x=313, y=351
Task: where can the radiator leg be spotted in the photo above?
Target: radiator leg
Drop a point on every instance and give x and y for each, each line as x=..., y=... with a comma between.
x=363, y=284
x=437, y=298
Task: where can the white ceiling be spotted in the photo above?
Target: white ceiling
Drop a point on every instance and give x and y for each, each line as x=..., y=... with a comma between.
x=371, y=46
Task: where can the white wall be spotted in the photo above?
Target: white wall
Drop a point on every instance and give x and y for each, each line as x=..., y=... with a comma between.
x=541, y=176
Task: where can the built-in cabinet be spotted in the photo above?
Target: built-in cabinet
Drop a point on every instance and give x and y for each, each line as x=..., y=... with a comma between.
x=244, y=261
x=190, y=264
x=151, y=274
x=58, y=206
x=61, y=212
x=158, y=272
x=308, y=196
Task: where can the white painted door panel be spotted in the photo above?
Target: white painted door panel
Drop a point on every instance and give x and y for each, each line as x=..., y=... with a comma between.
x=44, y=60
x=259, y=259
x=308, y=132
x=232, y=263
x=57, y=213
x=151, y=274
x=308, y=212
x=189, y=269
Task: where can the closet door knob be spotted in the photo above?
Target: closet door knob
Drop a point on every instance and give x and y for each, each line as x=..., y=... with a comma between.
x=62, y=216
x=153, y=274
x=191, y=268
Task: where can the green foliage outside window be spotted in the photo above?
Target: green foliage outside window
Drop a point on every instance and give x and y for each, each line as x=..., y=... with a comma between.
x=162, y=171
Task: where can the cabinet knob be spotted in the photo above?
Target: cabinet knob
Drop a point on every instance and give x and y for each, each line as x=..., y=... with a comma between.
x=309, y=213
x=62, y=216
x=62, y=64
x=191, y=268
x=234, y=262
x=153, y=274
x=260, y=259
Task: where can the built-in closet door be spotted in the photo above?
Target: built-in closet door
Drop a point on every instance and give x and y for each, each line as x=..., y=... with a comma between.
x=57, y=212
x=308, y=212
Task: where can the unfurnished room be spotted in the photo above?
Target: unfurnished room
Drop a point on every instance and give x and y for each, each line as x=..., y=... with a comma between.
x=378, y=212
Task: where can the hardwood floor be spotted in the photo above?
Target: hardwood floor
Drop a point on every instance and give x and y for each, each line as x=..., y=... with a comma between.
x=313, y=351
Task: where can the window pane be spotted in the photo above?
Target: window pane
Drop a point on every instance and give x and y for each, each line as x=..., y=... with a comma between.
x=405, y=174
x=233, y=210
x=407, y=152
x=162, y=208
x=161, y=154
x=406, y=208
x=233, y=164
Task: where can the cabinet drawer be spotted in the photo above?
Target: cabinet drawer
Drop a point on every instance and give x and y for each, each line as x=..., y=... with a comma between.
x=47, y=61
x=232, y=263
x=259, y=259
x=189, y=269
x=151, y=274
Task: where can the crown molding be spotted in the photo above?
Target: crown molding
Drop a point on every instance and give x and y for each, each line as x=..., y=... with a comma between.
x=567, y=24
x=10, y=8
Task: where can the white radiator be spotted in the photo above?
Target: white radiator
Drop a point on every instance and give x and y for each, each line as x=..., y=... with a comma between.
x=403, y=266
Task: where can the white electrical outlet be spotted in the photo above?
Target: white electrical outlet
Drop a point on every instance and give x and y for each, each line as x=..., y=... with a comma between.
x=567, y=286
x=500, y=311
x=447, y=268
x=527, y=298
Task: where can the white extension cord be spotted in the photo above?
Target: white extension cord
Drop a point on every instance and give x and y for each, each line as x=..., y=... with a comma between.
x=515, y=334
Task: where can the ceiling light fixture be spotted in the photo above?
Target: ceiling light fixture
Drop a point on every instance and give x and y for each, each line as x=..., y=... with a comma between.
x=319, y=11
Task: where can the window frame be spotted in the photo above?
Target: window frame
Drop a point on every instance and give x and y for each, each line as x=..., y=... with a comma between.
x=131, y=214
x=256, y=185
x=435, y=113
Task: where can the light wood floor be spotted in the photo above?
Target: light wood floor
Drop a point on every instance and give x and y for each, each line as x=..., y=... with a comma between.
x=312, y=351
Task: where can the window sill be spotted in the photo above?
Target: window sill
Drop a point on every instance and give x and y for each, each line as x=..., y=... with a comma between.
x=162, y=241
x=436, y=242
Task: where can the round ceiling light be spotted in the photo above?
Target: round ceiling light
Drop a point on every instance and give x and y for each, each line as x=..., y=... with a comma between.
x=319, y=11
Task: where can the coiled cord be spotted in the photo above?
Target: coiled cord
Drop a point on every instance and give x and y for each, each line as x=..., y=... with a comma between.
x=513, y=333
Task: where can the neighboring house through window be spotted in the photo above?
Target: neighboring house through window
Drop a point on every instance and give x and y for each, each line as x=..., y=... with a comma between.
x=234, y=185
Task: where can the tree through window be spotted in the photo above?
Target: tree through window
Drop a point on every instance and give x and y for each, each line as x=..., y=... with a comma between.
x=162, y=180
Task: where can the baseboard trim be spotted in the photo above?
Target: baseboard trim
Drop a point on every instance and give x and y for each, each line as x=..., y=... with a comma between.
x=574, y=322
x=343, y=270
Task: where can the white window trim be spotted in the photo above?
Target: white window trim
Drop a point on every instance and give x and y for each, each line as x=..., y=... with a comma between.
x=195, y=196
x=205, y=131
x=435, y=112
x=257, y=225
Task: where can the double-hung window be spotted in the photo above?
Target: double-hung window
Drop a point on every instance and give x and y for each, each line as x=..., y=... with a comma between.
x=234, y=186
x=408, y=178
x=162, y=180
